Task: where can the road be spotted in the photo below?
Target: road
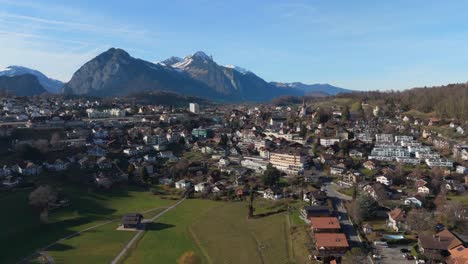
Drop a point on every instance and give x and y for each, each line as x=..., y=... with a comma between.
x=331, y=190
x=135, y=238
x=345, y=222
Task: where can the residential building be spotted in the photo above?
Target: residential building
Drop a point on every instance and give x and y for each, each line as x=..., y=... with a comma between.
x=194, y=108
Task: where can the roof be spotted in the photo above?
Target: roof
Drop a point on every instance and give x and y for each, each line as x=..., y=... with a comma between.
x=325, y=222
x=397, y=214
x=458, y=255
x=330, y=240
x=444, y=240
x=317, y=209
x=131, y=218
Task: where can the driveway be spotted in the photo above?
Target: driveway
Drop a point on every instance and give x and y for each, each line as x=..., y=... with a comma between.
x=392, y=255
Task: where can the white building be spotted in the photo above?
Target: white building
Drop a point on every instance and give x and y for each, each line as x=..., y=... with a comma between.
x=384, y=180
x=291, y=163
x=194, y=108
x=326, y=142
x=183, y=184
x=439, y=163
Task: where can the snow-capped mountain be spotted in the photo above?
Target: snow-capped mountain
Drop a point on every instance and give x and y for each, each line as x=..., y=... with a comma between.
x=115, y=72
x=51, y=85
x=237, y=68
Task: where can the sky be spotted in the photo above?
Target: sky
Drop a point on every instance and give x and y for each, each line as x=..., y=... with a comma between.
x=361, y=45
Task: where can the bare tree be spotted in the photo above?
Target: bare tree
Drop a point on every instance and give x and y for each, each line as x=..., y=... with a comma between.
x=41, y=198
x=55, y=140
x=419, y=220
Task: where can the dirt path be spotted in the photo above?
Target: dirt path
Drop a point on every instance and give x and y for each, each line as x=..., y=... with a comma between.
x=135, y=238
x=43, y=249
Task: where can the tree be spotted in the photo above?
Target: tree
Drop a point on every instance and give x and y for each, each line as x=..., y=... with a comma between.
x=55, y=140
x=419, y=220
x=346, y=115
x=144, y=175
x=363, y=208
x=188, y=257
x=355, y=255
x=41, y=198
x=271, y=176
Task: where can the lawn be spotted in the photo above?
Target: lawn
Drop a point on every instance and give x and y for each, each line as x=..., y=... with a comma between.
x=228, y=236
x=218, y=232
x=99, y=245
x=171, y=236
x=22, y=233
x=463, y=199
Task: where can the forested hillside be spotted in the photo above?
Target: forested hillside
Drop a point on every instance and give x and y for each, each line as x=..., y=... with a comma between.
x=449, y=101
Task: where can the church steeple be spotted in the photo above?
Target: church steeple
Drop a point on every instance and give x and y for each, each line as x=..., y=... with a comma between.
x=303, y=112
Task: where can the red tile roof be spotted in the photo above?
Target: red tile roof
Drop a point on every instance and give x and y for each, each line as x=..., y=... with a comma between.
x=330, y=240
x=325, y=223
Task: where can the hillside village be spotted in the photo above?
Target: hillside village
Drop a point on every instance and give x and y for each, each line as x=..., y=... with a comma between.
x=366, y=183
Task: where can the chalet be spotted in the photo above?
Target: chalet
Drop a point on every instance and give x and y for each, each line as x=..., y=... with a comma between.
x=132, y=221
x=396, y=219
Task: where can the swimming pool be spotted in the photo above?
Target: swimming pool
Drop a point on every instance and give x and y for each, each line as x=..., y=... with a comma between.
x=393, y=237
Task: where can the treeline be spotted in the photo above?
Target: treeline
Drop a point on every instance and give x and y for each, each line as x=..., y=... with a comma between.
x=448, y=101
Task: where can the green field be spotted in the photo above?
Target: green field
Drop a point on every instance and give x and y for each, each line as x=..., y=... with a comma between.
x=228, y=236
x=171, y=237
x=22, y=233
x=218, y=232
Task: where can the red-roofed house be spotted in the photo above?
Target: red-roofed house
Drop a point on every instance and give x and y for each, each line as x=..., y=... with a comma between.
x=325, y=224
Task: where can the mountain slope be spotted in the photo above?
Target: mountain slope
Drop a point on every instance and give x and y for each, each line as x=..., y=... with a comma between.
x=21, y=85
x=51, y=85
x=115, y=72
x=313, y=88
x=230, y=80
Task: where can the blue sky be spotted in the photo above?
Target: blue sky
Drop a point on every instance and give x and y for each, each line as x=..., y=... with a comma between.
x=363, y=45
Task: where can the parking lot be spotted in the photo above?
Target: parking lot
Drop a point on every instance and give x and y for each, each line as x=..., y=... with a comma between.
x=392, y=255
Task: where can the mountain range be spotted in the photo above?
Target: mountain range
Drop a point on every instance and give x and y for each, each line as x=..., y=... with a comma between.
x=116, y=73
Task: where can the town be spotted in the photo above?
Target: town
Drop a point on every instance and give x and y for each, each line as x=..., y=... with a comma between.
x=313, y=180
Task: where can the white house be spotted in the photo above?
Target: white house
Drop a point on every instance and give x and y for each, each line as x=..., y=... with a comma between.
x=130, y=151
x=413, y=201
x=423, y=190
x=272, y=195
x=200, y=187
x=384, y=180
x=183, y=184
